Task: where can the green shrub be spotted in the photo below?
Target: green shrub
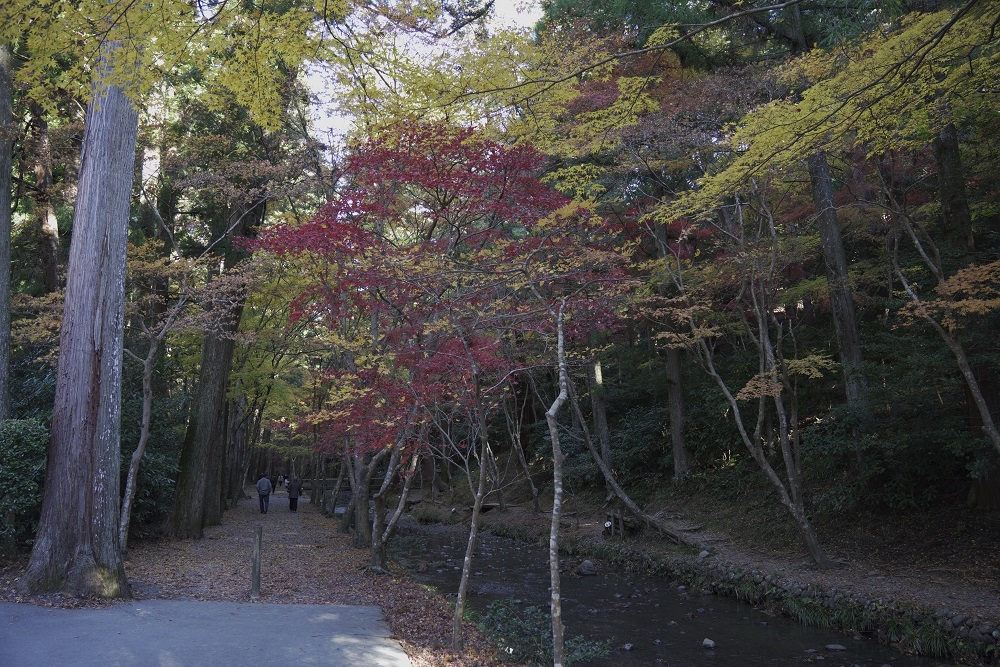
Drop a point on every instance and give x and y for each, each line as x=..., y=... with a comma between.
x=22, y=472
x=160, y=462
x=154, y=491
x=426, y=515
x=641, y=450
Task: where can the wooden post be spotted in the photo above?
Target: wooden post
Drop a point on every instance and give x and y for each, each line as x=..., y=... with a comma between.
x=255, y=586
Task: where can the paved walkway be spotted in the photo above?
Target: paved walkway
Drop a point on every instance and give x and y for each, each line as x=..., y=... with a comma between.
x=177, y=633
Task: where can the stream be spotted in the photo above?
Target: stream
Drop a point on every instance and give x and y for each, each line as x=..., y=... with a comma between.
x=648, y=620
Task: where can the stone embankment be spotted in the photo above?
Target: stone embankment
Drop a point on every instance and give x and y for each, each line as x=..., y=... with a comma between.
x=940, y=633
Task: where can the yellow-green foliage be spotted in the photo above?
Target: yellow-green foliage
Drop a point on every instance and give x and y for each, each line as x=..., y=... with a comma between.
x=580, y=181
x=632, y=103
x=249, y=50
x=894, y=89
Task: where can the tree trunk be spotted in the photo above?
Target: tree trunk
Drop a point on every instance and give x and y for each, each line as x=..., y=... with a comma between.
x=6, y=154
x=347, y=466
x=237, y=453
x=378, y=520
x=792, y=501
x=675, y=403
x=951, y=188
x=411, y=474
x=230, y=456
x=222, y=358
x=131, y=480
x=383, y=530
x=758, y=290
x=198, y=500
x=516, y=430
x=331, y=509
x=989, y=424
x=551, y=418
x=319, y=478
x=675, y=387
x=845, y=319
x=198, y=480
x=77, y=548
x=457, y=641
x=616, y=488
x=46, y=225
x=950, y=337
x=360, y=475
x=595, y=380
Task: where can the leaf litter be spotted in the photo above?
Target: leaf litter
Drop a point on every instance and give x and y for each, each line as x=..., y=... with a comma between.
x=305, y=559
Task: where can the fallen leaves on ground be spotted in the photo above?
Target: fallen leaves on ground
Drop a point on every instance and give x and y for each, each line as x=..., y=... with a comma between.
x=304, y=560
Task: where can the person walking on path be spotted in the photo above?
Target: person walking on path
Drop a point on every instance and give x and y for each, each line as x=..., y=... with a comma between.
x=264, y=492
x=294, y=491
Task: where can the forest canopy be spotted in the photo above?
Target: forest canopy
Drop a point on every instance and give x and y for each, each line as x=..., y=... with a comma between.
x=636, y=246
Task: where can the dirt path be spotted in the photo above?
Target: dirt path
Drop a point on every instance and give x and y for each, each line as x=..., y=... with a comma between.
x=305, y=560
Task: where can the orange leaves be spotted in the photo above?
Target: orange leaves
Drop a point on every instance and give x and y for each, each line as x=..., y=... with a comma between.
x=760, y=386
x=970, y=292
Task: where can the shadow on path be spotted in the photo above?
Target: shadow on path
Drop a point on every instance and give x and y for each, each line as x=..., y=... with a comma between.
x=198, y=612
x=176, y=633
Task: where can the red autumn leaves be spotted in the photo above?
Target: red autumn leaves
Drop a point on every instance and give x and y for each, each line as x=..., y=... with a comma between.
x=438, y=262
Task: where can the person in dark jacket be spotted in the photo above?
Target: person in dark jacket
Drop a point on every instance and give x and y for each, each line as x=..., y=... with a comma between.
x=264, y=489
x=294, y=491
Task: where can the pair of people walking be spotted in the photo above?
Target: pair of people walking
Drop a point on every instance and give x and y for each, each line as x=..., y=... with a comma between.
x=264, y=490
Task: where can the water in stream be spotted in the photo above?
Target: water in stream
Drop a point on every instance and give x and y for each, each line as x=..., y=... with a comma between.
x=661, y=623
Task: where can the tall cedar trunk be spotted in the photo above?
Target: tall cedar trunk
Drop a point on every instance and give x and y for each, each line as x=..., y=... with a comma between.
x=199, y=493
x=46, y=225
x=200, y=464
x=6, y=150
x=227, y=463
x=222, y=359
x=236, y=455
x=951, y=188
x=675, y=403
x=76, y=548
x=845, y=319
